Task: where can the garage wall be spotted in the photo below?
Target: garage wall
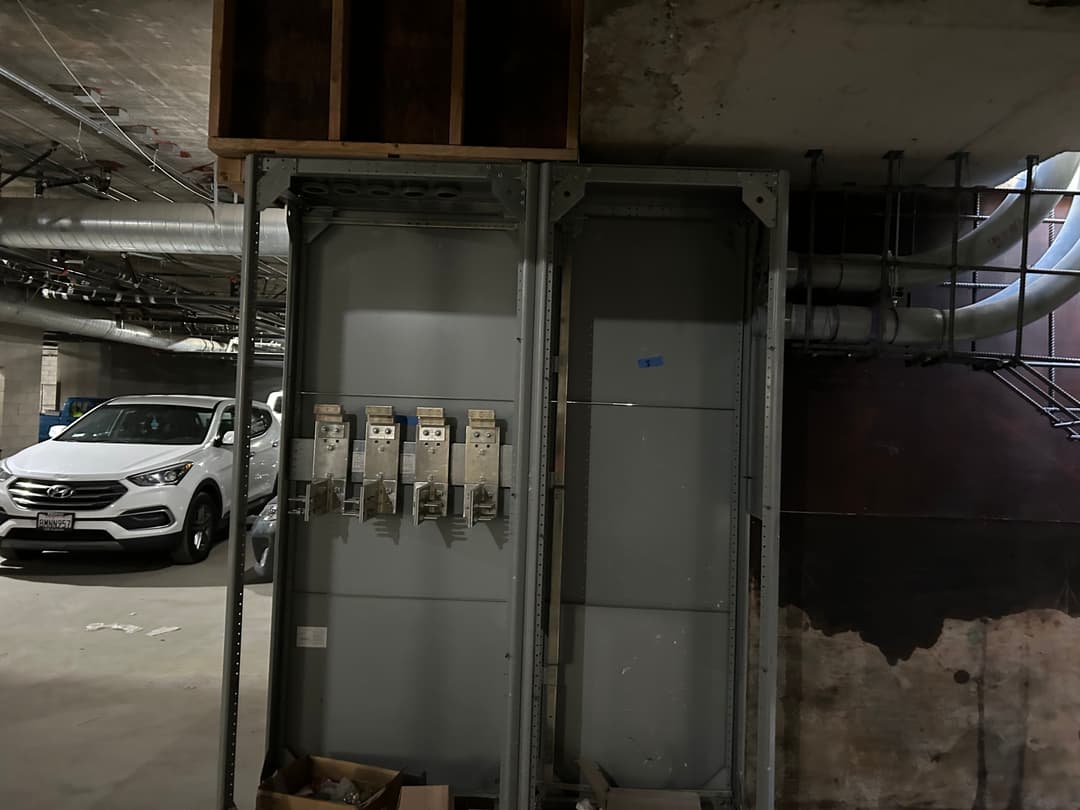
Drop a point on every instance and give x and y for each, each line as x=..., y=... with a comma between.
x=929, y=621
x=20, y=387
x=116, y=369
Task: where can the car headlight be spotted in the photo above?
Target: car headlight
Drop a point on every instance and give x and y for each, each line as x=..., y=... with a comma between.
x=5, y=473
x=167, y=476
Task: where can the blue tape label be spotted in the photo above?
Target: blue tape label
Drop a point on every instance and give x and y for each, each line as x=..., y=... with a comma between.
x=654, y=361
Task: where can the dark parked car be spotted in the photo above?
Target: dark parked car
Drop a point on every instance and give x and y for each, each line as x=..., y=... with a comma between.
x=263, y=532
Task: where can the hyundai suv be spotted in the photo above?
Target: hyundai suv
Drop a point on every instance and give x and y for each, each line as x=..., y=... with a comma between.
x=136, y=473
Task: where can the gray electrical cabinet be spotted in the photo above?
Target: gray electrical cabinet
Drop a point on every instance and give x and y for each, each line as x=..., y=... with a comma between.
x=531, y=414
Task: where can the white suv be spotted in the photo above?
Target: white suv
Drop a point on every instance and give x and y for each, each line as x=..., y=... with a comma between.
x=138, y=473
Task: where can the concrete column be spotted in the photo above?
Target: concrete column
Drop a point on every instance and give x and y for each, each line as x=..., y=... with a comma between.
x=81, y=370
x=20, y=387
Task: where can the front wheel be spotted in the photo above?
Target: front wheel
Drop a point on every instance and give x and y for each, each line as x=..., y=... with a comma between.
x=199, y=527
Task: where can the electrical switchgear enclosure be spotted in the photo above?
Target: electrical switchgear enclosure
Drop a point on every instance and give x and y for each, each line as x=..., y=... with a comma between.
x=625, y=327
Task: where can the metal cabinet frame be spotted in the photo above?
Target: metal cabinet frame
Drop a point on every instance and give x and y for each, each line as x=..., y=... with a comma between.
x=538, y=196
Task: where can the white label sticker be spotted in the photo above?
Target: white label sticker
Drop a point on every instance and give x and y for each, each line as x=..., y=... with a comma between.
x=314, y=637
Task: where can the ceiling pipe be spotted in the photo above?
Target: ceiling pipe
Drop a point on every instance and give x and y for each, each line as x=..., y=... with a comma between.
x=77, y=319
x=121, y=227
x=179, y=300
x=998, y=233
x=929, y=326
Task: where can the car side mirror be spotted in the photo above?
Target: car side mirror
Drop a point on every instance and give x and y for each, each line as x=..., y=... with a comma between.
x=227, y=439
x=56, y=430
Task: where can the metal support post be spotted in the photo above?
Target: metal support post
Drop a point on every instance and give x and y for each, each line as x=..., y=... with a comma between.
x=815, y=159
x=1051, y=324
x=975, y=273
x=234, y=599
x=894, y=157
x=770, y=510
x=958, y=158
x=283, y=545
x=519, y=515
x=1025, y=239
x=532, y=636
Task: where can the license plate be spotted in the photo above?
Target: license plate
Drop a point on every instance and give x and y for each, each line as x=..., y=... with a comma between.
x=55, y=521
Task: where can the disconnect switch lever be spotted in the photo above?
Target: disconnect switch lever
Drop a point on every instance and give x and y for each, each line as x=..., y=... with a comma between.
x=329, y=463
x=382, y=453
x=432, y=465
x=481, y=467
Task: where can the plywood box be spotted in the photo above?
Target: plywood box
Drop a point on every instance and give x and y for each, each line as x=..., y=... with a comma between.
x=375, y=78
x=279, y=791
x=617, y=798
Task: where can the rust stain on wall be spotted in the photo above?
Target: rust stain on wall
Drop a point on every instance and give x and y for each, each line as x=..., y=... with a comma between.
x=894, y=581
x=986, y=717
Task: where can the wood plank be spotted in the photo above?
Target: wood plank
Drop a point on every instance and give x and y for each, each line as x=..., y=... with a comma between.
x=339, y=74
x=573, y=105
x=221, y=68
x=230, y=173
x=238, y=147
x=457, y=73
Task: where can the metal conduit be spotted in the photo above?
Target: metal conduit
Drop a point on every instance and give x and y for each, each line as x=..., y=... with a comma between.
x=87, y=321
x=994, y=315
x=120, y=227
x=998, y=233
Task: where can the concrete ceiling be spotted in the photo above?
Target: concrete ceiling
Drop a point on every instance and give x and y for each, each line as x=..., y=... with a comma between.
x=149, y=59
x=759, y=82
x=739, y=82
x=716, y=82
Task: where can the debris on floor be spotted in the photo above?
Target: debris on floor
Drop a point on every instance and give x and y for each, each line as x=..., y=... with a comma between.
x=130, y=629
x=344, y=791
x=160, y=631
x=318, y=783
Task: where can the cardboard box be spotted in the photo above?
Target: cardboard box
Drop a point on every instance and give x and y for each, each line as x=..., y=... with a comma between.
x=428, y=797
x=279, y=791
x=616, y=798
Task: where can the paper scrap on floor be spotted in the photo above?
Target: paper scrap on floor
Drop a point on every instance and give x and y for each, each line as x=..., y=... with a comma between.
x=160, y=631
x=126, y=628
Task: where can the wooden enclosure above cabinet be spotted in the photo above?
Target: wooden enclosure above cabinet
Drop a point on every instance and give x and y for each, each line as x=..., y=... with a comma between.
x=485, y=79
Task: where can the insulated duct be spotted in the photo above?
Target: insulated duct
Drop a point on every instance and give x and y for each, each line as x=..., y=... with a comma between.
x=1000, y=231
x=994, y=315
x=84, y=320
x=120, y=227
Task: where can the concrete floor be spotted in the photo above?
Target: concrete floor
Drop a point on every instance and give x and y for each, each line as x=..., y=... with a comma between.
x=104, y=720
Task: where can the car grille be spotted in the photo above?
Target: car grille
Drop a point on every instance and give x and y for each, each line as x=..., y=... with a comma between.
x=30, y=493
x=75, y=535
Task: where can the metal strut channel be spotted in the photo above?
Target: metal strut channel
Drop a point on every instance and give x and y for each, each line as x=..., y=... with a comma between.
x=234, y=599
x=558, y=529
x=1060, y=407
x=770, y=499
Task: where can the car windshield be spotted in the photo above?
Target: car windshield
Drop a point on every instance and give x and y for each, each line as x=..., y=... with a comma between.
x=141, y=423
